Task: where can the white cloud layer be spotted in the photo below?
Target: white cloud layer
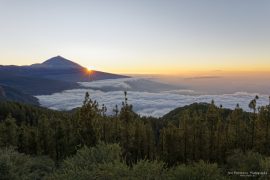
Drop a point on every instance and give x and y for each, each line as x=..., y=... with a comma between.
x=145, y=103
x=114, y=83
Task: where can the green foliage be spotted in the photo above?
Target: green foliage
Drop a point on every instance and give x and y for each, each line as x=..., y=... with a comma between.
x=245, y=162
x=110, y=170
x=38, y=167
x=265, y=164
x=89, y=157
x=149, y=170
x=8, y=132
x=104, y=162
x=196, y=171
x=14, y=165
x=249, y=162
x=100, y=162
x=88, y=115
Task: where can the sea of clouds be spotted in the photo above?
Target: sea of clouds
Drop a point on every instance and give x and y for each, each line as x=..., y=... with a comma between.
x=149, y=99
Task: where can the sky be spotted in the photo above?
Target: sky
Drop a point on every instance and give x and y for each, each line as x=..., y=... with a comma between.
x=139, y=37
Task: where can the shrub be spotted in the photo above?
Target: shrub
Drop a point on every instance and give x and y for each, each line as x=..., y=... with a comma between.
x=14, y=165
x=196, y=171
x=149, y=170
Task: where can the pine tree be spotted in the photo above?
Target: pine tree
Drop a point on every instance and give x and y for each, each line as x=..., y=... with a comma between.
x=89, y=114
x=8, y=132
x=252, y=105
x=126, y=116
x=43, y=135
x=212, y=118
x=22, y=139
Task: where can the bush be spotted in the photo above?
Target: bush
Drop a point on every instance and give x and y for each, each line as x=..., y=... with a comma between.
x=104, y=162
x=196, y=171
x=244, y=162
x=109, y=171
x=100, y=162
x=14, y=165
x=149, y=170
x=89, y=157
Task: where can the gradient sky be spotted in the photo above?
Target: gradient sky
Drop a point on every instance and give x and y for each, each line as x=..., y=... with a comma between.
x=139, y=36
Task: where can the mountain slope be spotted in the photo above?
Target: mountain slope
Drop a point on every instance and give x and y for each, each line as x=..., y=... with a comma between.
x=11, y=94
x=35, y=85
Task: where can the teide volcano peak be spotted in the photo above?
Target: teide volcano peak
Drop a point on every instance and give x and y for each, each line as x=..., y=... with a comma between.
x=58, y=62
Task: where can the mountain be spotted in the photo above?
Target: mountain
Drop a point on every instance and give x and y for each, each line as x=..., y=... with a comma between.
x=11, y=94
x=53, y=75
x=58, y=62
x=59, y=68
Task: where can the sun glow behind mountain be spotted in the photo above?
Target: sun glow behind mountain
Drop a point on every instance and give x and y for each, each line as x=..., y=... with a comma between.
x=89, y=70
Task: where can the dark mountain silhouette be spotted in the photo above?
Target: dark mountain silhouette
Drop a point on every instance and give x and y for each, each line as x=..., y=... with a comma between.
x=54, y=75
x=59, y=68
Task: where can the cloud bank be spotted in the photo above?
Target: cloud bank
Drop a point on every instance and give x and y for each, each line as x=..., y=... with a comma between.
x=145, y=103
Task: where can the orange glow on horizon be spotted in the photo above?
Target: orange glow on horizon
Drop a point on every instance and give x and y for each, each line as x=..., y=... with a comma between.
x=190, y=71
x=161, y=66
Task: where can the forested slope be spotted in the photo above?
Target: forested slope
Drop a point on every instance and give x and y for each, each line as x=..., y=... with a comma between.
x=200, y=141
